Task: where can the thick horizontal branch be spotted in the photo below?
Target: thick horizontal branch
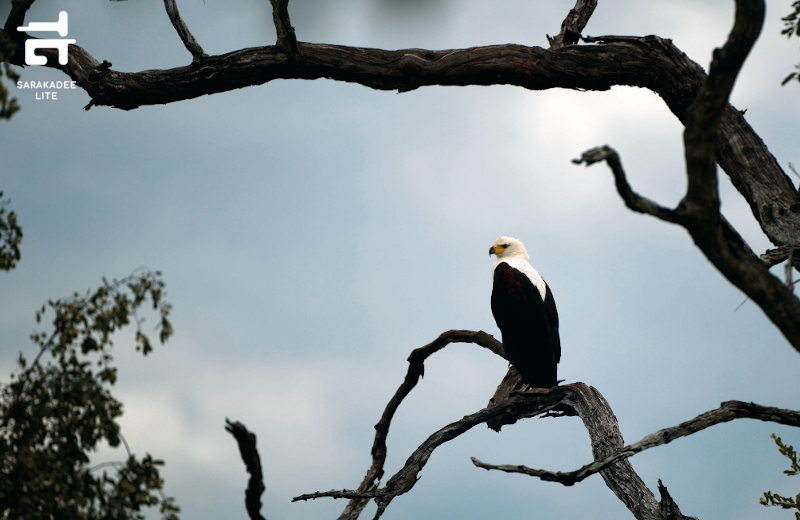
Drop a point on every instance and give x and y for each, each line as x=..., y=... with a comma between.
x=650, y=62
x=727, y=411
x=416, y=370
x=183, y=31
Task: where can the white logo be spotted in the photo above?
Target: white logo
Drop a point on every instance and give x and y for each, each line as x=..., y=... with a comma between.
x=61, y=27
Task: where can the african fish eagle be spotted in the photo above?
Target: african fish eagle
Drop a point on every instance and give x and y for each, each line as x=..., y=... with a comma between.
x=525, y=312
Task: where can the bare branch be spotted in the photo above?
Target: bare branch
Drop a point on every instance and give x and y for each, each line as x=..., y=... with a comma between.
x=723, y=246
x=573, y=24
x=16, y=18
x=529, y=404
x=287, y=41
x=597, y=417
x=698, y=212
x=632, y=199
x=700, y=136
x=781, y=254
x=650, y=62
x=668, y=508
x=416, y=370
x=183, y=31
x=255, y=486
x=727, y=411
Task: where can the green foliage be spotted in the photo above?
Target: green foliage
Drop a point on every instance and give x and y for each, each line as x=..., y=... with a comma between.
x=10, y=237
x=791, y=27
x=7, y=48
x=771, y=499
x=55, y=412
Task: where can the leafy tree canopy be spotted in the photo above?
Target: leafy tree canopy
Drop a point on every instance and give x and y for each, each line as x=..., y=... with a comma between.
x=58, y=408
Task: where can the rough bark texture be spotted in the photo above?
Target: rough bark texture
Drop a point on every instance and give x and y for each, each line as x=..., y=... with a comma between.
x=608, y=449
x=183, y=32
x=649, y=62
x=573, y=24
x=727, y=411
x=416, y=369
x=698, y=212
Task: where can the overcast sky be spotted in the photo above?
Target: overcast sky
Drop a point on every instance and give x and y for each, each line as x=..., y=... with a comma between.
x=313, y=233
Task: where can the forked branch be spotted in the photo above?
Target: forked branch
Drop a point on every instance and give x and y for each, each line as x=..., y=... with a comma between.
x=607, y=447
x=728, y=411
x=416, y=369
x=698, y=212
x=521, y=405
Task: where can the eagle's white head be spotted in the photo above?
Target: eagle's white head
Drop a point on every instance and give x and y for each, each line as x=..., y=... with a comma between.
x=511, y=251
x=507, y=248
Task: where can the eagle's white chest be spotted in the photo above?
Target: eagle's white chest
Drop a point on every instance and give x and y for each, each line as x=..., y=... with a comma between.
x=524, y=267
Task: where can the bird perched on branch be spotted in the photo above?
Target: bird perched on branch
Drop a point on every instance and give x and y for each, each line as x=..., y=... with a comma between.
x=525, y=312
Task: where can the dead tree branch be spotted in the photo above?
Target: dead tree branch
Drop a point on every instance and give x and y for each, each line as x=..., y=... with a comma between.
x=789, y=254
x=287, y=41
x=598, y=419
x=522, y=405
x=255, y=486
x=633, y=200
x=573, y=24
x=16, y=18
x=650, y=62
x=728, y=411
x=507, y=406
x=698, y=212
x=186, y=36
x=416, y=369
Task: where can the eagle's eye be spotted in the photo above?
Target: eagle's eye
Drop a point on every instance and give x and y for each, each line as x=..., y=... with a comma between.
x=505, y=246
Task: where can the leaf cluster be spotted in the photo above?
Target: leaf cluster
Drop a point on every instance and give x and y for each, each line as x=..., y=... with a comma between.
x=10, y=231
x=772, y=499
x=791, y=27
x=7, y=49
x=58, y=409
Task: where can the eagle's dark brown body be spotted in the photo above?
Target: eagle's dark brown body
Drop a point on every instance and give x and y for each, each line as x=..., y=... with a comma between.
x=529, y=324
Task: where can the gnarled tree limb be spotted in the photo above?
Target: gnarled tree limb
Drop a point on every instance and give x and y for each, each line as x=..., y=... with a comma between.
x=255, y=486
x=183, y=31
x=781, y=254
x=590, y=405
x=727, y=411
x=650, y=62
x=522, y=405
x=416, y=369
x=286, y=38
x=573, y=24
x=633, y=200
x=698, y=212
x=16, y=18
